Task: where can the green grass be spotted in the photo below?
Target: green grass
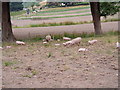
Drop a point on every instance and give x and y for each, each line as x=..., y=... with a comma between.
x=49, y=11
x=49, y=55
x=36, y=18
x=9, y=63
x=17, y=13
x=62, y=10
x=60, y=13
x=74, y=35
x=34, y=72
x=29, y=76
x=111, y=20
x=53, y=24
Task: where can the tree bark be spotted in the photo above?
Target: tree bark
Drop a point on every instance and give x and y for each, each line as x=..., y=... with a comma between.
x=7, y=34
x=95, y=10
x=0, y=12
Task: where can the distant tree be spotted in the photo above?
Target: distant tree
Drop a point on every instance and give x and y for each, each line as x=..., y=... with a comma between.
x=53, y=4
x=67, y=4
x=16, y=6
x=109, y=8
x=95, y=10
x=32, y=5
x=7, y=34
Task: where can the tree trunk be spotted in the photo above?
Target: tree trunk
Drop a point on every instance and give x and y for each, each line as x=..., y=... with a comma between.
x=7, y=34
x=0, y=13
x=95, y=10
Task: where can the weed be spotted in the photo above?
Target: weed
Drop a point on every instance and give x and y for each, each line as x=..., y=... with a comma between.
x=9, y=63
x=109, y=41
x=15, y=67
x=29, y=76
x=33, y=72
x=49, y=55
x=63, y=52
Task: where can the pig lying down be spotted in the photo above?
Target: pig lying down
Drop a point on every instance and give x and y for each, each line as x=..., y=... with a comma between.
x=73, y=42
x=20, y=43
x=82, y=50
x=92, y=42
x=66, y=38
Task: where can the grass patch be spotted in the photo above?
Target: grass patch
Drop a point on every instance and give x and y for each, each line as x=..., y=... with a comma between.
x=62, y=10
x=34, y=72
x=9, y=63
x=17, y=13
x=111, y=20
x=115, y=33
x=38, y=14
x=49, y=11
x=36, y=18
x=49, y=55
x=29, y=76
x=38, y=38
x=73, y=35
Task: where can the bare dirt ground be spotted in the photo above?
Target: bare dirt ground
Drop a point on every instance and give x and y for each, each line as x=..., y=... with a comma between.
x=23, y=33
x=48, y=66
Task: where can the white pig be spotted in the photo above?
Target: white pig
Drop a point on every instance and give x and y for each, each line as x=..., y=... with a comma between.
x=72, y=42
x=20, y=43
x=66, y=38
x=92, y=42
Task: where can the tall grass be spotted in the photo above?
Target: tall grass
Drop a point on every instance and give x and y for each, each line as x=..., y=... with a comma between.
x=74, y=35
x=15, y=13
x=54, y=24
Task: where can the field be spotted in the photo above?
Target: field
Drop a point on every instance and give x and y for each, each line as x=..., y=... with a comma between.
x=56, y=17
x=53, y=11
x=37, y=65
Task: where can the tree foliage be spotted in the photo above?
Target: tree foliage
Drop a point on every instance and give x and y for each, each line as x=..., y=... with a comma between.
x=59, y=4
x=16, y=6
x=109, y=8
x=30, y=4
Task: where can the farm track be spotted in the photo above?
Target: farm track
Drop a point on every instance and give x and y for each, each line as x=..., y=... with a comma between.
x=23, y=33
